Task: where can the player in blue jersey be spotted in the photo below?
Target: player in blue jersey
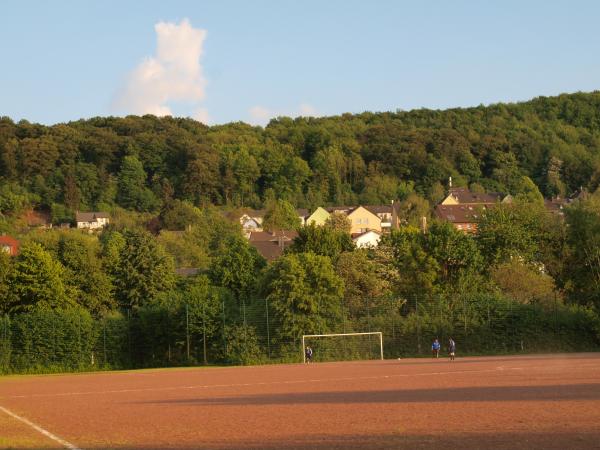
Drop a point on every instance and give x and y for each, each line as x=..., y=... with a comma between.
x=435, y=348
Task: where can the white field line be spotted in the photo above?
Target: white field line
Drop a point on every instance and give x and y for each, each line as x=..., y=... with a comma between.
x=285, y=382
x=40, y=429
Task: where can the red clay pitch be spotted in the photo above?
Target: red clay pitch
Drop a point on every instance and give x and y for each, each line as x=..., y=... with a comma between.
x=524, y=402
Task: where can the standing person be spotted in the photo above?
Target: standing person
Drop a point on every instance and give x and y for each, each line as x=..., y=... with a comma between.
x=435, y=348
x=451, y=348
x=308, y=353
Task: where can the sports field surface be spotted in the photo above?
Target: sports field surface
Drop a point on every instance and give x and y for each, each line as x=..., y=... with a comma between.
x=516, y=402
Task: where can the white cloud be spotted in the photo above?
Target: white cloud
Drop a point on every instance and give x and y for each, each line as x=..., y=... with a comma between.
x=173, y=74
x=259, y=115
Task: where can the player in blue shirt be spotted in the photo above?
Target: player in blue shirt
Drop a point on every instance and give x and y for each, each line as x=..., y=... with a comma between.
x=435, y=348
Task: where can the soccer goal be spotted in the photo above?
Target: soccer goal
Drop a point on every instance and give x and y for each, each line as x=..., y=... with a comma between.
x=343, y=346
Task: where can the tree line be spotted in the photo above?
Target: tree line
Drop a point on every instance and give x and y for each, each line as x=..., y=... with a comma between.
x=142, y=163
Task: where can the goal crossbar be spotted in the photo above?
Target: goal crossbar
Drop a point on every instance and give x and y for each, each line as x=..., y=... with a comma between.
x=377, y=333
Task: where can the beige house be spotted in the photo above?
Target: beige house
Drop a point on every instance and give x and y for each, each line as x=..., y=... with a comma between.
x=363, y=220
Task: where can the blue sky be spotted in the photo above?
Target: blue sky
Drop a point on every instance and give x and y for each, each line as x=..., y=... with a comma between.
x=250, y=60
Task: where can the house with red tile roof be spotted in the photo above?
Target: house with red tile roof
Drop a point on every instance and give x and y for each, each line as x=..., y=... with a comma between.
x=10, y=245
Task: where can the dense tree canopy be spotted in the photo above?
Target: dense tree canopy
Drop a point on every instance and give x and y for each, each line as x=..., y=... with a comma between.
x=549, y=144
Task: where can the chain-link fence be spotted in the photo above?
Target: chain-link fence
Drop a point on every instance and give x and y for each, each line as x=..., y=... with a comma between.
x=159, y=336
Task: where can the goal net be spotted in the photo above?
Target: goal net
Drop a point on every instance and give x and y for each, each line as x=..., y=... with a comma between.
x=343, y=346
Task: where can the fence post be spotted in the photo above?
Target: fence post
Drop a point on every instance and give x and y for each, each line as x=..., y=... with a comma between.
x=79, y=337
x=187, y=333
x=268, y=330
x=224, y=332
x=129, y=336
x=418, y=325
x=556, y=318
x=104, y=339
x=204, y=332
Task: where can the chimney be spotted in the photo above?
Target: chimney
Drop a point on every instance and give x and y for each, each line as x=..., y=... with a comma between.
x=424, y=224
x=449, y=182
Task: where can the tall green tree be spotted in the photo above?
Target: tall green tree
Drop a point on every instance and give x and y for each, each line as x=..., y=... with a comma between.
x=79, y=254
x=508, y=231
x=132, y=191
x=321, y=240
x=236, y=268
x=280, y=215
x=582, y=268
x=305, y=295
x=142, y=271
x=37, y=281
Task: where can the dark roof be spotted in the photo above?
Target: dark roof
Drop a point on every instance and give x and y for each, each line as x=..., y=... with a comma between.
x=90, y=216
x=265, y=236
x=302, y=212
x=459, y=213
x=465, y=196
x=344, y=209
x=379, y=209
x=271, y=245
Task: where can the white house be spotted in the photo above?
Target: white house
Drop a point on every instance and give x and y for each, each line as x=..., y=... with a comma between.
x=94, y=220
x=368, y=239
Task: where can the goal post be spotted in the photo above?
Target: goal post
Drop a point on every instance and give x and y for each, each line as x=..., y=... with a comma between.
x=377, y=334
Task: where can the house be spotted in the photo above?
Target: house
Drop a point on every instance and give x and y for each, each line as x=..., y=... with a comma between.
x=271, y=245
x=318, y=217
x=9, y=245
x=368, y=239
x=385, y=213
x=463, y=217
x=94, y=220
x=252, y=219
x=362, y=220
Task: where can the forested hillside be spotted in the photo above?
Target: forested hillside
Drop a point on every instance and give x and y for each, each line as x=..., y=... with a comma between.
x=526, y=281
x=142, y=162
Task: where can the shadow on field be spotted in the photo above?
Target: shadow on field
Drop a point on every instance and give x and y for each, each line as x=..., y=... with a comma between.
x=466, y=394
x=495, y=441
